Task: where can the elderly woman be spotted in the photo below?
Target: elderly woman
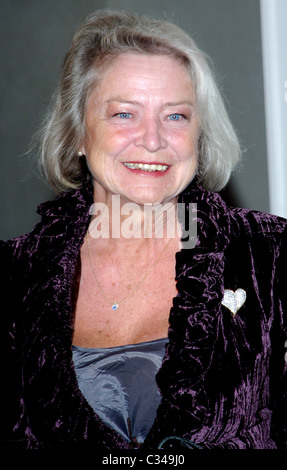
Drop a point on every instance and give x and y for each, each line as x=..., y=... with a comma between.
x=120, y=335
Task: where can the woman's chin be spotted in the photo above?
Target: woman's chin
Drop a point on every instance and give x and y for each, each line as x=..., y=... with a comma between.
x=147, y=199
x=147, y=195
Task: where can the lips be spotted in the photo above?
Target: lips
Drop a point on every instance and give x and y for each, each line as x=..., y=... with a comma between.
x=148, y=167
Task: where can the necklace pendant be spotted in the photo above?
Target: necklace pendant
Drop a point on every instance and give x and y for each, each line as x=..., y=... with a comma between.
x=115, y=306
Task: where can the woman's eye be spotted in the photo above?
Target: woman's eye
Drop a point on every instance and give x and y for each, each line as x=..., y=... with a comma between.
x=124, y=115
x=175, y=117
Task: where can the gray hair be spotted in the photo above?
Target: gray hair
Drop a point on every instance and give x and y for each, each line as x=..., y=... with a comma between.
x=101, y=37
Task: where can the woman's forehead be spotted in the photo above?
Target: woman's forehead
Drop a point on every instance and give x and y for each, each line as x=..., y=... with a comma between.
x=133, y=73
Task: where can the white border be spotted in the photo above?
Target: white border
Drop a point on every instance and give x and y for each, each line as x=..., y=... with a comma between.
x=274, y=51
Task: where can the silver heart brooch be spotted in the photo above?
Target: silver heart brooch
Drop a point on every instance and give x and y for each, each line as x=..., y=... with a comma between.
x=234, y=300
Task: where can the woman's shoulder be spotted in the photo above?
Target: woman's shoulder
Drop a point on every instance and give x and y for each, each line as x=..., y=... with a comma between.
x=258, y=238
x=235, y=220
x=255, y=224
x=68, y=209
x=10, y=249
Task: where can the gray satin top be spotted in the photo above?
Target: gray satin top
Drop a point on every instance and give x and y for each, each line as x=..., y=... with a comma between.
x=119, y=383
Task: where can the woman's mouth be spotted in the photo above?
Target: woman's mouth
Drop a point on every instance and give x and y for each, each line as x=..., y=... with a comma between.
x=148, y=167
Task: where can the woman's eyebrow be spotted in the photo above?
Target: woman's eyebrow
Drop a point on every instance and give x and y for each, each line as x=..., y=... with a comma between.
x=179, y=103
x=123, y=101
x=137, y=103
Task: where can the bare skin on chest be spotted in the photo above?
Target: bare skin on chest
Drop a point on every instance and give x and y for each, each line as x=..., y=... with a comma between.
x=144, y=316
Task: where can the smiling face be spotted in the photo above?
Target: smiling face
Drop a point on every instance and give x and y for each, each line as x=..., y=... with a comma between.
x=142, y=131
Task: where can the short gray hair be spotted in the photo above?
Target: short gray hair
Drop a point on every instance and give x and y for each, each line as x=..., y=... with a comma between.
x=100, y=38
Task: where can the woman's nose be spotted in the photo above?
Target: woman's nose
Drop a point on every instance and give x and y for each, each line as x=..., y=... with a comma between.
x=150, y=135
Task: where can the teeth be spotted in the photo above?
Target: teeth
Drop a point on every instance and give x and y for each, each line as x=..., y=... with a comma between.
x=146, y=166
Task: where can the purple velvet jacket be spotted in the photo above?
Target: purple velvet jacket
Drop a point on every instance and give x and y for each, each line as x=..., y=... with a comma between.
x=223, y=378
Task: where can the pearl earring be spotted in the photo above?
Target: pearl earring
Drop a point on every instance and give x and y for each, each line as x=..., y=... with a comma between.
x=80, y=154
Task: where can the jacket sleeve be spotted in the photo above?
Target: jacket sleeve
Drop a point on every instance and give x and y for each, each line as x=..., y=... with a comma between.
x=278, y=376
x=10, y=352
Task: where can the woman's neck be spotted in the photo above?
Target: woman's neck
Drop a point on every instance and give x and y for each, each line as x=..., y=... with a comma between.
x=121, y=222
